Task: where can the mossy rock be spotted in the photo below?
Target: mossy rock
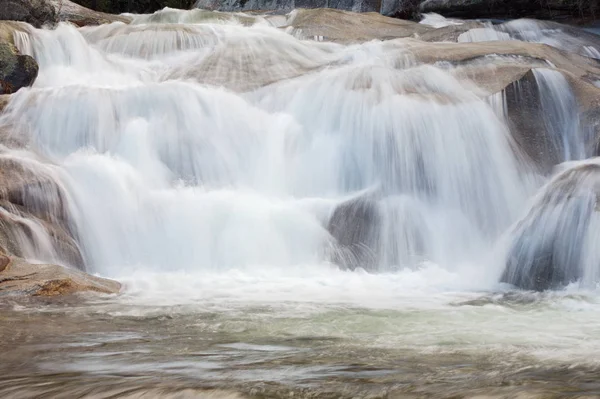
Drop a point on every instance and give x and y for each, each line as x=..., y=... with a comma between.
x=34, y=12
x=16, y=71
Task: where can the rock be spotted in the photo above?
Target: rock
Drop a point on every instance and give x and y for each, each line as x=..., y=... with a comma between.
x=137, y=6
x=553, y=121
x=523, y=52
x=448, y=33
x=555, y=243
x=526, y=116
x=18, y=277
x=288, y=5
x=49, y=12
x=4, y=98
x=69, y=11
x=34, y=12
x=354, y=225
x=33, y=213
x=508, y=9
x=16, y=70
x=411, y=9
x=590, y=120
x=8, y=30
x=342, y=26
x=567, y=38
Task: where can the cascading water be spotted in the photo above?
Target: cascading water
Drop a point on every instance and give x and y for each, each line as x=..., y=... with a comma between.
x=561, y=117
x=167, y=174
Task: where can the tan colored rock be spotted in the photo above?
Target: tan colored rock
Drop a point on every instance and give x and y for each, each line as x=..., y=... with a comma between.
x=464, y=53
x=448, y=33
x=19, y=277
x=8, y=29
x=344, y=26
x=4, y=98
x=32, y=202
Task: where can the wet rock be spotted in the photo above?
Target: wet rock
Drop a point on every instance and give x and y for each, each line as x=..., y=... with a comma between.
x=538, y=118
x=590, y=120
x=526, y=118
x=32, y=204
x=16, y=70
x=555, y=243
x=18, y=277
x=354, y=225
x=49, y=12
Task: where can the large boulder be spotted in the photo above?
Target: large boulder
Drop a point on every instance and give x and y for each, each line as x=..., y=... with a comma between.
x=18, y=277
x=69, y=11
x=16, y=70
x=555, y=244
x=34, y=12
x=342, y=26
x=49, y=12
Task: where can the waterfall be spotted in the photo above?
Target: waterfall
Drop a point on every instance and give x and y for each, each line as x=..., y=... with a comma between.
x=561, y=117
x=197, y=142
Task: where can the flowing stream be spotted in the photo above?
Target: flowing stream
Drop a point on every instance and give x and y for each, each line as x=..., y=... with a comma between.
x=203, y=157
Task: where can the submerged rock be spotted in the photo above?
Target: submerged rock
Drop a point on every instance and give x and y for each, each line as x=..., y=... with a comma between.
x=555, y=244
x=18, y=277
x=16, y=70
